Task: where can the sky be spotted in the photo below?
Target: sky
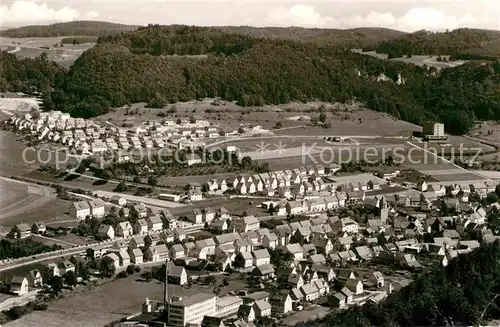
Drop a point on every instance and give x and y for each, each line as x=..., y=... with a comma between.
x=402, y=15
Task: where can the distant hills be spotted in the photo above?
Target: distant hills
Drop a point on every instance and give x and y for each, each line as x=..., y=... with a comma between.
x=463, y=43
x=349, y=38
x=76, y=28
x=358, y=37
x=162, y=64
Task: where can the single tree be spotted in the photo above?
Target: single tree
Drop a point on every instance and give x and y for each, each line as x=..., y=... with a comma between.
x=107, y=267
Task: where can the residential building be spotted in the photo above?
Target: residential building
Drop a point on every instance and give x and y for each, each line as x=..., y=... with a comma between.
x=38, y=227
x=80, y=209
x=65, y=267
x=106, y=232
x=154, y=223
x=156, y=253
x=34, y=278
x=19, y=285
x=119, y=200
x=124, y=229
x=141, y=227
x=136, y=256
x=245, y=224
x=176, y=274
x=310, y=292
x=97, y=208
x=20, y=231
x=261, y=257
x=281, y=303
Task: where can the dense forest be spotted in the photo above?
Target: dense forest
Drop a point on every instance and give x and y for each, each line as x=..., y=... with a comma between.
x=464, y=293
x=457, y=43
x=76, y=28
x=356, y=38
x=179, y=63
x=27, y=75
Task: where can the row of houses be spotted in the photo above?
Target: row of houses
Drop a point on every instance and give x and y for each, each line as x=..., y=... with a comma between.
x=125, y=229
x=465, y=190
x=309, y=177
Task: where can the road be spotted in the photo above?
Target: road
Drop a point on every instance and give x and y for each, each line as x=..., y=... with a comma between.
x=17, y=49
x=148, y=201
x=54, y=240
x=69, y=252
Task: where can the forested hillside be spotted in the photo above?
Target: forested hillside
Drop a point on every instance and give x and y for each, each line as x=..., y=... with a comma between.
x=484, y=43
x=27, y=75
x=76, y=28
x=351, y=38
x=141, y=66
x=458, y=295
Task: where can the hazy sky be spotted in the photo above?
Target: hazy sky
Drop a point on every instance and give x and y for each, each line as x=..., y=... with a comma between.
x=396, y=14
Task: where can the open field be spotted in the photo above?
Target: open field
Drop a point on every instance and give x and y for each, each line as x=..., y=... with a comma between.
x=489, y=174
x=311, y=313
x=345, y=119
x=417, y=60
x=102, y=304
x=32, y=47
x=488, y=131
x=11, y=155
x=23, y=202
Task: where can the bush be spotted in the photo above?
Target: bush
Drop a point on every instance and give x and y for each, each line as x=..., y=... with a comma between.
x=122, y=274
x=41, y=306
x=131, y=269
x=147, y=275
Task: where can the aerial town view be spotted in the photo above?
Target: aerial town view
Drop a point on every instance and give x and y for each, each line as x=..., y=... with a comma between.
x=241, y=164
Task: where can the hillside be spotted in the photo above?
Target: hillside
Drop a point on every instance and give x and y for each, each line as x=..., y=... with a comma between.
x=76, y=28
x=27, y=75
x=455, y=295
x=139, y=66
x=447, y=43
x=350, y=38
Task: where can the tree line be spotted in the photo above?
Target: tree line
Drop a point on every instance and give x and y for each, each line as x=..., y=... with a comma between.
x=449, y=43
x=75, y=28
x=462, y=293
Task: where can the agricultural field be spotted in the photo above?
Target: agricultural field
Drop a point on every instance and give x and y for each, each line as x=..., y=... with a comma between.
x=64, y=54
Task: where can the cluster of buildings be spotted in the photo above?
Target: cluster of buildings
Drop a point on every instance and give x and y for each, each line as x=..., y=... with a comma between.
x=91, y=208
x=24, y=230
x=33, y=280
x=321, y=253
x=284, y=183
x=89, y=137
